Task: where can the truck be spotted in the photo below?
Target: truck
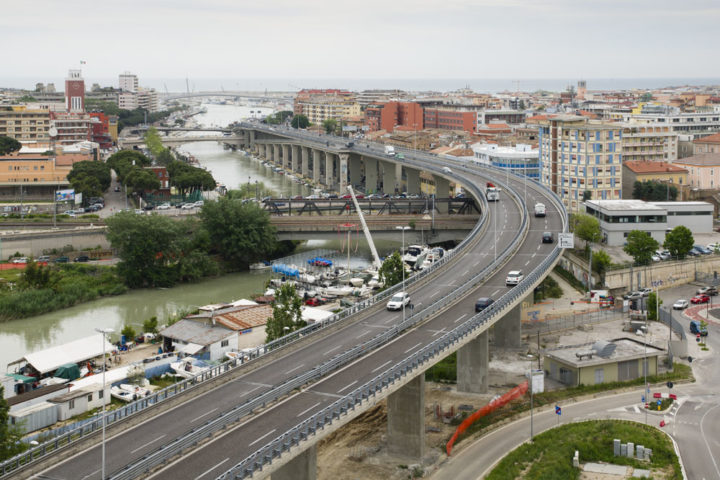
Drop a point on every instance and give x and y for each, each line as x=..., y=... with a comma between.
x=491, y=192
x=389, y=150
x=539, y=210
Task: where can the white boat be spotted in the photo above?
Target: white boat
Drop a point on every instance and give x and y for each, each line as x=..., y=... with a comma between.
x=135, y=389
x=356, y=282
x=121, y=394
x=412, y=253
x=259, y=266
x=187, y=369
x=339, y=291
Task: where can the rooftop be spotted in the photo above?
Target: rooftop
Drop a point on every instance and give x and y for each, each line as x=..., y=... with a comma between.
x=623, y=205
x=644, y=166
x=701, y=160
x=625, y=349
x=196, y=332
x=709, y=139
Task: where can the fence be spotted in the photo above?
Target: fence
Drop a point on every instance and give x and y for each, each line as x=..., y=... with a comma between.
x=571, y=321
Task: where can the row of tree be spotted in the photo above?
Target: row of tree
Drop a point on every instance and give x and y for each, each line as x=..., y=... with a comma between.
x=654, y=191
x=162, y=155
x=129, y=167
x=90, y=178
x=129, y=118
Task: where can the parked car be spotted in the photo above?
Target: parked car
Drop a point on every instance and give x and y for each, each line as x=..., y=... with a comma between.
x=680, y=305
x=199, y=203
x=664, y=254
x=633, y=295
x=713, y=246
x=117, y=188
x=700, y=299
x=547, y=237
x=188, y=206
x=62, y=259
x=697, y=328
x=95, y=207
x=712, y=291
x=483, y=303
x=43, y=258
x=656, y=258
x=20, y=260
x=514, y=277
x=139, y=211
x=148, y=207
x=694, y=252
x=646, y=291
x=398, y=301
x=703, y=250
x=82, y=258
x=315, y=301
x=164, y=206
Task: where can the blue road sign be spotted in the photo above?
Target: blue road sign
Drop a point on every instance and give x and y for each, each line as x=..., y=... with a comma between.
x=558, y=411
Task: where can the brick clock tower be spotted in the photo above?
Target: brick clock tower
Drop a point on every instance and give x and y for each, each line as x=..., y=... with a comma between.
x=75, y=92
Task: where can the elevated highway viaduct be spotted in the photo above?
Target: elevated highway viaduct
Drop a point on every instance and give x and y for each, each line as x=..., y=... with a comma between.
x=372, y=355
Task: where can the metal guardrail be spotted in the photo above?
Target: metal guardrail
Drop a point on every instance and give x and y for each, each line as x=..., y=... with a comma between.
x=300, y=432
x=62, y=437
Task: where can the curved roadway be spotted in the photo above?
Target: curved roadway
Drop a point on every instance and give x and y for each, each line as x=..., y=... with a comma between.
x=220, y=454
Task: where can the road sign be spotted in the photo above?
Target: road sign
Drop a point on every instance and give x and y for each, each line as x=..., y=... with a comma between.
x=558, y=411
x=566, y=240
x=669, y=384
x=659, y=402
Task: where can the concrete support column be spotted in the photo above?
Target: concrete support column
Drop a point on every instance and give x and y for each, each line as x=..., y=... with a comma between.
x=252, y=139
x=413, y=180
x=304, y=161
x=406, y=420
x=389, y=178
x=316, y=166
x=398, y=177
x=286, y=156
x=442, y=187
x=295, y=158
x=343, y=171
x=472, y=365
x=276, y=154
x=371, y=174
x=355, y=170
x=302, y=467
x=329, y=177
x=507, y=329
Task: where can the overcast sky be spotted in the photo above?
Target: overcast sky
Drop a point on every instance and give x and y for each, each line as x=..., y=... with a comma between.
x=238, y=39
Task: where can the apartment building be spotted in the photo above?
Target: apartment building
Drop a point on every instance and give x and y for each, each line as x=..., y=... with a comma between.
x=312, y=96
x=450, y=119
x=581, y=157
x=703, y=170
x=697, y=123
x=644, y=170
x=24, y=124
x=128, y=82
x=379, y=97
x=709, y=144
x=511, y=117
x=391, y=115
x=323, y=107
x=649, y=142
x=34, y=177
x=71, y=127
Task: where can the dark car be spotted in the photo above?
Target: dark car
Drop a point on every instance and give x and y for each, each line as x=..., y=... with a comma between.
x=61, y=260
x=148, y=207
x=712, y=291
x=483, y=303
x=547, y=237
x=117, y=188
x=82, y=258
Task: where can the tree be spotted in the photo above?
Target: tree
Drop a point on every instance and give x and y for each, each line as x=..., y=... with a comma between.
x=391, y=270
x=9, y=145
x=250, y=190
x=141, y=180
x=188, y=178
x=652, y=190
x=150, y=325
x=87, y=185
x=240, y=233
x=587, y=228
x=601, y=261
x=641, y=246
x=287, y=313
x=521, y=104
x=153, y=141
x=279, y=117
x=10, y=436
x=587, y=195
x=651, y=306
x=98, y=170
x=646, y=97
x=330, y=125
x=300, y=121
x=129, y=332
x=164, y=157
x=679, y=241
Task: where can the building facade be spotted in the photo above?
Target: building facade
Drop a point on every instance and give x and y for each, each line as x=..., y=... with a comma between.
x=24, y=124
x=71, y=127
x=648, y=142
x=450, y=119
x=75, y=92
x=511, y=117
x=703, y=170
x=520, y=159
x=128, y=82
x=581, y=158
x=709, y=144
x=641, y=171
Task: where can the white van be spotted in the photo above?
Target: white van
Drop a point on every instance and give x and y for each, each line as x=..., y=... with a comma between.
x=539, y=210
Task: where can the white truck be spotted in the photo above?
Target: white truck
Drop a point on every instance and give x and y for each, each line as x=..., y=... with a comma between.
x=491, y=192
x=389, y=150
x=539, y=210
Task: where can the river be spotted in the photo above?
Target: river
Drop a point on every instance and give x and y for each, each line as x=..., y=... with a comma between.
x=231, y=168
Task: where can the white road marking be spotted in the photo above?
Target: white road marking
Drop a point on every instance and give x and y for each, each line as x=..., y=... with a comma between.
x=211, y=469
x=363, y=334
x=91, y=474
x=256, y=441
x=526, y=263
x=413, y=347
x=249, y=391
x=307, y=410
x=465, y=273
x=332, y=350
x=438, y=332
x=533, y=255
x=293, y=369
x=538, y=247
x=495, y=292
x=347, y=386
x=460, y=318
x=431, y=296
x=392, y=319
x=204, y=414
x=148, y=443
x=381, y=366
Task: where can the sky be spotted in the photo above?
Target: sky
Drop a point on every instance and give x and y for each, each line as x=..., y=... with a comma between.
x=292, y=39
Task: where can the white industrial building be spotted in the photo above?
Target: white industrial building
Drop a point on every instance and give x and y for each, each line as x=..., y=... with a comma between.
x=619, y=217
x=521, y=159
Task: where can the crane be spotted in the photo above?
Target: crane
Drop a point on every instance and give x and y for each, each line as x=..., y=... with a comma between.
x=366, y=230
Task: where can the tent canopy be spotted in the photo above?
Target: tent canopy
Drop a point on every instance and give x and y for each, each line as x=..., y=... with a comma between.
x=76, y=351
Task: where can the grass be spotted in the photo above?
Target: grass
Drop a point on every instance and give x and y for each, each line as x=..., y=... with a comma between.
x=568, y=277
x=549, y=456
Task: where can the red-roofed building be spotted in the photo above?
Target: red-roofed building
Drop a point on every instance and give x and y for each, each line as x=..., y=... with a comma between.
x=100, y=130
x=449, y=119
x=709, y=144
x=643, y=170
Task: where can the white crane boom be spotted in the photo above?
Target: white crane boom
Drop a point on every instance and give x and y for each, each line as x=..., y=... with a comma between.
x=366, y=230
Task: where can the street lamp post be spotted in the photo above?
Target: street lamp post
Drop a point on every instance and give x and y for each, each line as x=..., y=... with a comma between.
x=104, y=331
x=530, y=385
x=402, y=228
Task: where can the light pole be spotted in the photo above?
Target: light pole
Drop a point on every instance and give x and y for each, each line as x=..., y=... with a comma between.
x=104, y=331
x=402, y=228
x=530, y=385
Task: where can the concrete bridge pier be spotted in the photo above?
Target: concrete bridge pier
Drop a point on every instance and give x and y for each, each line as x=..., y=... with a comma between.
x=371, y=174
x=276, y=154
x=507, y=329
x=295, y=160
x=390, y=181
x=302, y=467
x=260, y=150
x=251, y=139
x=343, y=159
x=286, y=156
x=355, y=171
x=413, y=180
x=304, y=161
x=442, y=190
x=316, y=166
x=329, y=162
x=406, y=420
x=472, y=365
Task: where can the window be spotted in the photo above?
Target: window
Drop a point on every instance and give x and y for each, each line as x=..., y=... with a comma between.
x=90, y=398
x=101, y=394
x=71, y=404
x=225, y=343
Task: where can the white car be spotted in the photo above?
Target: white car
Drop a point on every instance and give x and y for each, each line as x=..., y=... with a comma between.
x=680, y=305
x=199, y=203
x=398, y=301
x=514, y=277
x=188, y=206
x=164, y=206
x=713, y=246
x=20, y=260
